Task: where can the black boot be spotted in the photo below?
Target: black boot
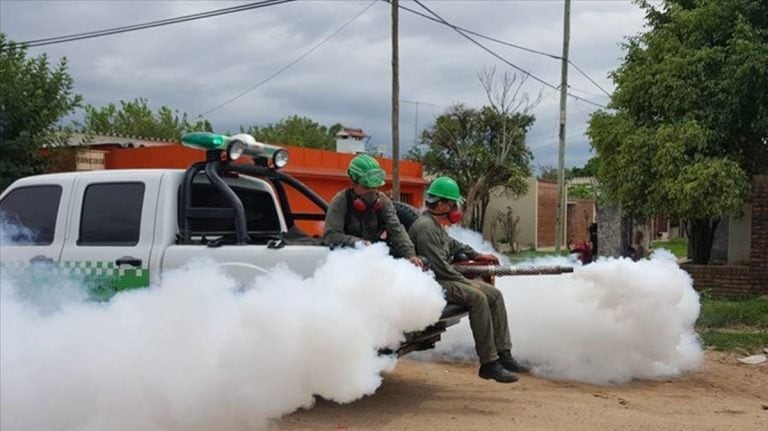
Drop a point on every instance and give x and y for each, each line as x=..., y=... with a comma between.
x=494, y=370
x=510, y=364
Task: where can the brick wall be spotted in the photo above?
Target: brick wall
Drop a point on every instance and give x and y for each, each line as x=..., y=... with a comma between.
x=758, y=257
x=546, y=214
x=741, y=280
x=581, y=212
x=723, y=280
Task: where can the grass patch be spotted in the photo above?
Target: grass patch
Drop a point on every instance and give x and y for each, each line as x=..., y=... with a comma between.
x=716, y=313
x=740, y=325
x=747, y=342
x=524, y=255
x=677, y=246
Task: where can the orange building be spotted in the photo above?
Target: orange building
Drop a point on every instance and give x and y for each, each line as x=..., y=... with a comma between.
x=322, y=171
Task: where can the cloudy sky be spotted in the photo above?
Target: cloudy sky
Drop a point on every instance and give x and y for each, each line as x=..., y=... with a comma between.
x=198, y=65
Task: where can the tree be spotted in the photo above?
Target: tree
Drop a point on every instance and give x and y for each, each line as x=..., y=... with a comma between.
x=298, y=131
x=482, y=148
x=589, y=169
x=135, y=118
x=549, y=172
x=508, y=223
x=34, y=95
x=689, y=118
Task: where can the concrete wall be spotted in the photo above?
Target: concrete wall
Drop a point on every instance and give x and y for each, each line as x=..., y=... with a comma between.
x=740, y=236
x=524, y=207
x=612, y=231
x=719, y=253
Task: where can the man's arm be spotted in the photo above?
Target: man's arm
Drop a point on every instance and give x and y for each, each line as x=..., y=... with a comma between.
x=399, y=240
x=335, y=218
x=429, y=244
x=459, y=247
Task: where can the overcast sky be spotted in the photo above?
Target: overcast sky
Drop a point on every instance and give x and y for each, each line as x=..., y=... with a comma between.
x=195, y=66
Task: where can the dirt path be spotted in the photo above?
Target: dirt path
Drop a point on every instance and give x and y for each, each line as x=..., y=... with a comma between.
x=722, y=395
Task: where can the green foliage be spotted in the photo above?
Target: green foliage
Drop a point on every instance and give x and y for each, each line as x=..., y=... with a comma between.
x=550, y=173
x=689, y=123
x=298, y=131
x=34, y=95
x=581, y=191
x=135, y=118
x=471, y=146
x=589, y=170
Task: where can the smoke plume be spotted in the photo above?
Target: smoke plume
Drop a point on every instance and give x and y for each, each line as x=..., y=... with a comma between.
x=199, y=353
x=609, y=322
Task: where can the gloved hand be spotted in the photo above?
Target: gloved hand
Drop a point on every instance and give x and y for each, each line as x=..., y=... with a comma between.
x=486, y=258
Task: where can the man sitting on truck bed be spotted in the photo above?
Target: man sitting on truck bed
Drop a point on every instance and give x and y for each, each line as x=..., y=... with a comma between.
x=487, y=312
x=362, y=214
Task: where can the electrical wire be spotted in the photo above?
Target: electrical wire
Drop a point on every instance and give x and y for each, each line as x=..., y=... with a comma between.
x=459, y=29
x=151, y=24
x=289, y=65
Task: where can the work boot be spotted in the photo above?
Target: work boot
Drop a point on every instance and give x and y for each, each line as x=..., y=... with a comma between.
x=510, y=364
x=494, y=370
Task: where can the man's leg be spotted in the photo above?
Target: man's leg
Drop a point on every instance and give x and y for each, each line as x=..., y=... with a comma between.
x=480, y=319
x=500, y=326
x=498, y=313
x=482, y=329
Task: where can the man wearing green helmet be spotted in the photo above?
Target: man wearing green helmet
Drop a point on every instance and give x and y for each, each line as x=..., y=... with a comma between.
x=364, y=215
x=487, y=312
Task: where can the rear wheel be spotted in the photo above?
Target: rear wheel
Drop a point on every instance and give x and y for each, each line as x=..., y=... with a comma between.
x=407, y=214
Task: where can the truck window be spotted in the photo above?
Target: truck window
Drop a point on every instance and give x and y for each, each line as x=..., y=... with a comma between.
x=260, y=212
x=111, y=214
x=28, y=214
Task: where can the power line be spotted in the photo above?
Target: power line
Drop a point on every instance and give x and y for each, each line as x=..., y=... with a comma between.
x=590, y=79
x=490, y=51
x=151, y=24
x=289, y=65
x=501, y=42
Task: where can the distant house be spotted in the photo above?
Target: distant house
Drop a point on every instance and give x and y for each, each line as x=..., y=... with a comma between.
x=349, y=140
x=537, y=212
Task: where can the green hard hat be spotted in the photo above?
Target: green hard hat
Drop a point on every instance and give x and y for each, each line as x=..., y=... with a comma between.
x=365, y=170
x=445, y=188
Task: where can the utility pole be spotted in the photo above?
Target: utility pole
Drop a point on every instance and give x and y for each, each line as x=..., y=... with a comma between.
x=416, y=127
x=395, y=106
x=561, y=146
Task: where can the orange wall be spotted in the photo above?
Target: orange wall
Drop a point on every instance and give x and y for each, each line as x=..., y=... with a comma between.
x=322, y=171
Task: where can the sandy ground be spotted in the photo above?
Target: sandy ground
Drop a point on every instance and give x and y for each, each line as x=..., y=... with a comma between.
x=722, y=395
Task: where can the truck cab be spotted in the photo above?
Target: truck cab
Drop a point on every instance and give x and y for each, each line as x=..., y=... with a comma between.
x=120, y=229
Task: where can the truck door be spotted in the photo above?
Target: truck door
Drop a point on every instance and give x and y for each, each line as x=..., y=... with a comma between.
x=33, y=220
x=111, y=231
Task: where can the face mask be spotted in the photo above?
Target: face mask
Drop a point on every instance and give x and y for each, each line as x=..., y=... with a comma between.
x=454, y=215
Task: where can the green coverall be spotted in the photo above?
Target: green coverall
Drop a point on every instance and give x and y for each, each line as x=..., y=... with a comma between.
x=344, y=226
x=487, y=312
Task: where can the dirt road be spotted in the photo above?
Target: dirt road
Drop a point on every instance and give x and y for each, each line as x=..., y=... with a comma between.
x=722, y=395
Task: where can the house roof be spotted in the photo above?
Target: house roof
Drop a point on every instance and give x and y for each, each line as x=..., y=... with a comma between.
x=353, y=133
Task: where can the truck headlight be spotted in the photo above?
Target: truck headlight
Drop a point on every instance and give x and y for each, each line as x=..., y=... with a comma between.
x=280, y=158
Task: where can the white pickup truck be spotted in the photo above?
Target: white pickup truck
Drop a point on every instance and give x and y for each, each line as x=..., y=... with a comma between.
x=121, y=229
